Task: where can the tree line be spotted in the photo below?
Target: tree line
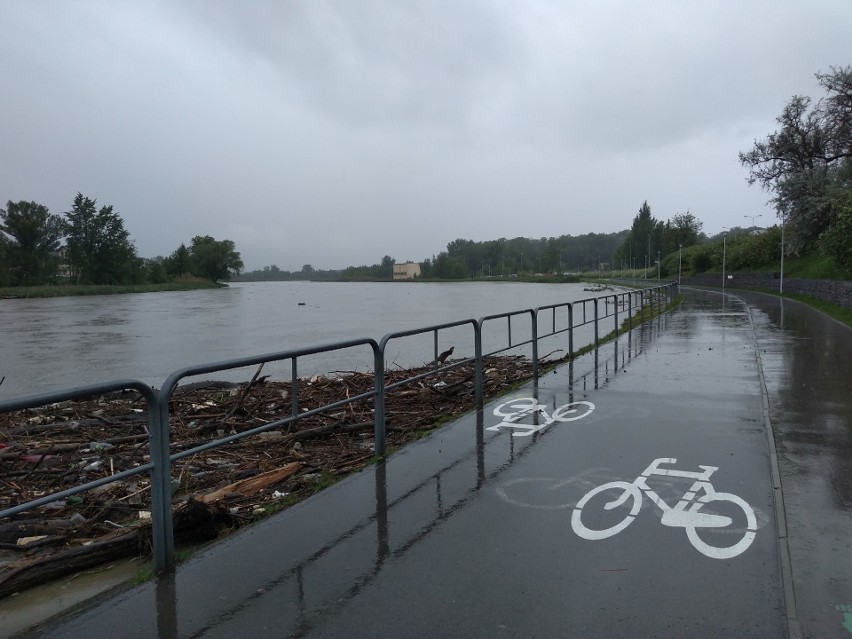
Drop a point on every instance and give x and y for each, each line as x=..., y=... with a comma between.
x=97, y=249
x=466, y=259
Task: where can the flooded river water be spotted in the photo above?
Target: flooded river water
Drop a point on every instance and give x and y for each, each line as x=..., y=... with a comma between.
x=54, y=343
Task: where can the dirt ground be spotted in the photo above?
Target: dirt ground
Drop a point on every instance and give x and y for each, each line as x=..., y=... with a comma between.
x=45, y=450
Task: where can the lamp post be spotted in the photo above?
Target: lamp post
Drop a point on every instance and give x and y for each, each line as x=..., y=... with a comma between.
x=648, y=257
x=679, y=262
x=724, y=247
x=781, y=284
x=753, y=218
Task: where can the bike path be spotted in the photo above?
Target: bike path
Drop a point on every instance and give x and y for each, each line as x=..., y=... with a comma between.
x=474, y=531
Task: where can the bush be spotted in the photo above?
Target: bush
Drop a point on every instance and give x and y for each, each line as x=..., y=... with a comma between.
x=747, y=252
x=836, y=240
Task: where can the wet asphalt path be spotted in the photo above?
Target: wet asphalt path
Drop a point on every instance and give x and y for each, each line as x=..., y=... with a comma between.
x=475, y=532
x=807, y=362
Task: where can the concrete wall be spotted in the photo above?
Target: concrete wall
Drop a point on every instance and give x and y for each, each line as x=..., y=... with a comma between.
x=834, y=291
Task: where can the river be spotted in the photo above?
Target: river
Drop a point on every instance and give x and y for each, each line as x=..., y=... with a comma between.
x=53, y=343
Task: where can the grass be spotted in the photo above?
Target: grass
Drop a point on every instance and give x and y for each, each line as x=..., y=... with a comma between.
x=146, y=572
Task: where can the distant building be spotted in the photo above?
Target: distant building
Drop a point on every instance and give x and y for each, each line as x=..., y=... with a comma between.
x=64, y=270
x=406, y=270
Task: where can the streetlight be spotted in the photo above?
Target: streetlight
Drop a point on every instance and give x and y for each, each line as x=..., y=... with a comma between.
x=781, y=284
x=753, y=218
x=648, y=257
x=724, y=238
x=679, y=262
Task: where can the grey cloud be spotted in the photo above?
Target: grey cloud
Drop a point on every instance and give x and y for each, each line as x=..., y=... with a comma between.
x=334, y=132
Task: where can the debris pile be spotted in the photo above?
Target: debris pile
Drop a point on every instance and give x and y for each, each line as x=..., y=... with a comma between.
x=45, y=450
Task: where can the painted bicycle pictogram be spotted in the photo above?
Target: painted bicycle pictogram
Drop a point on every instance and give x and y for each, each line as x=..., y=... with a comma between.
x=529, y=408
x=687, y=513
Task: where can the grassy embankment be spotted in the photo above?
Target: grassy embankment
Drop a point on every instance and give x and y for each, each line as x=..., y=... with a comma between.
x=809, y=267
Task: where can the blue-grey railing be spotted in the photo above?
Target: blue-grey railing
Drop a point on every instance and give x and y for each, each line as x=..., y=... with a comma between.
x=558, y=319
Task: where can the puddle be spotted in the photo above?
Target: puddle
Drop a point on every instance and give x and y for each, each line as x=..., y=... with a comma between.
x=35, y=605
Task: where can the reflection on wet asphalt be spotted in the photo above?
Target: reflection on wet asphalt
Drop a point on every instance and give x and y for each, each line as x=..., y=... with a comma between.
x=807, y=361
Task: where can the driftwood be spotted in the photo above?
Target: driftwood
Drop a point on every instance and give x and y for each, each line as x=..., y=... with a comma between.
x=49, y=449
x=194, y=522
x=252, y=485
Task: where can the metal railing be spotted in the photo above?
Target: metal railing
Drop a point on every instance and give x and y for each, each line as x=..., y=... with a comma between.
x=560, y=319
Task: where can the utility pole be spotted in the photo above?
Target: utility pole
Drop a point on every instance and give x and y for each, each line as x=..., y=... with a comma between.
x=724, y=248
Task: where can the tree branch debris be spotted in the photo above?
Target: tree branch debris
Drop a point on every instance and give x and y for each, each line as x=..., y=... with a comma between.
x=52, y=448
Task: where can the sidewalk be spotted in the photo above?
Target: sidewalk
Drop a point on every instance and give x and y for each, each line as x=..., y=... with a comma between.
x=496, y=525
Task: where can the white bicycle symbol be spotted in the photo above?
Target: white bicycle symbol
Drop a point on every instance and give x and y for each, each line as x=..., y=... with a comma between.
x=685, y=514
x=523, y=407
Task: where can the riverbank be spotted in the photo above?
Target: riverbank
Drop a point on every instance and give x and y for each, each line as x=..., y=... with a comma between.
x=73, y=290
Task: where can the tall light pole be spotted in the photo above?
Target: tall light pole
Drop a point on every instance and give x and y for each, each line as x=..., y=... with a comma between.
x=679, y=262
x=648, y=257
x=724, y=247
x=753, y=218
x=781, y=285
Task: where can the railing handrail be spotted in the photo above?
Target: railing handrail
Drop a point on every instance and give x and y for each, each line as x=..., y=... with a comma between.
x=158, y=400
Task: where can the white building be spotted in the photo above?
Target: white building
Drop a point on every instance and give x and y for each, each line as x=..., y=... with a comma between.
x=406, y=270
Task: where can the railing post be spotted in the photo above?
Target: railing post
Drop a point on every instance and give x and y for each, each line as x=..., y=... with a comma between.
x=435, y=348
x=534, y=315
x=570, y=330
x=478, y=366
x=630, y=310
x=596, y=321
x=163, y=540
x=615, y=307
x=379, y=402
x=294, y=388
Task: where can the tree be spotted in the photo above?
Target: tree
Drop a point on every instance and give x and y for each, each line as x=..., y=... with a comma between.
x=5, y=265
x=177, y=264
x=214, y=260
x=154, y=270
x=643, y=241
x=386, y=267
x=805, y=163
x=99, y=247
x=32, y=237
x=684, y=229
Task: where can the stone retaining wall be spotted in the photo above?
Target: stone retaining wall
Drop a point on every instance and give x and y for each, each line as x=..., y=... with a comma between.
x=834, y=291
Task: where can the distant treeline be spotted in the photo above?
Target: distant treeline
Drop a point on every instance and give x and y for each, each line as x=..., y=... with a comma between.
x=466, y=259
x=90, y=247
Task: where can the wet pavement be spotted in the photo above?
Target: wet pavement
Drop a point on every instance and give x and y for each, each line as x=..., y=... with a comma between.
x=807, y=362
x=629, y=494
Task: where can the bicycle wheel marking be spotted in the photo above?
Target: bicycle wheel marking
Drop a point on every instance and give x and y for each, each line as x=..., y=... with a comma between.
x=686, y=514
x=536, y=415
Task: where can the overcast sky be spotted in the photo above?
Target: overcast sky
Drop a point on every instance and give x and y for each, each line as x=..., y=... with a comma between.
x=334, y=132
